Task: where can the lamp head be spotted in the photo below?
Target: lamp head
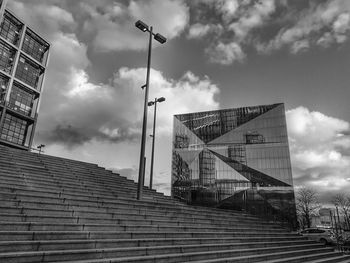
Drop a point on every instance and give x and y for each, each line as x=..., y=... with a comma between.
x=151, y=103
x=161, y=39
x=161, y=99
x=141, y=25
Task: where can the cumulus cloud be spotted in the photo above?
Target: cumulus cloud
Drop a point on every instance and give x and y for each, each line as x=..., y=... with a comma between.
x=321, y=24
x=225, y=54
x=237, y=19
x=271, y=25
x=197, y=31
x=108, y=22
x=320, y=147
x=116, y=107
x=44, y=16
x=227, y=8
x=252, y=17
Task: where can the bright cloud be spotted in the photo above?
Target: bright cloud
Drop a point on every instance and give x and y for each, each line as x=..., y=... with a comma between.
x=237, y=20
x=252, y=17
x=323, y=24
x=111, y=25
x=320, y=150
x=225, y=54
x=197, y=31
x=43, y=16
x=116, y=108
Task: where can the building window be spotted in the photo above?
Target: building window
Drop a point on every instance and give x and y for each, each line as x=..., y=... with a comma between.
x=253, y=138
x=34, y=46
x=28, y=72
x=10, y=29
x=181, y=141
x=14, y=130
x=21, y=100
x=3, y=88
x=6, y=57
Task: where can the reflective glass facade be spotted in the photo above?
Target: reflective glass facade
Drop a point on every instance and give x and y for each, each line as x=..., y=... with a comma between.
x=23, y=61
x=235, y=158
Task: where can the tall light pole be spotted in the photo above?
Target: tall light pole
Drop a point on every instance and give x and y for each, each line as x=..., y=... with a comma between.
x=161, y=39
x=161, y=99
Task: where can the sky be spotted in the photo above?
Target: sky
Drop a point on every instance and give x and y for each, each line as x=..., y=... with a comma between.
x=219, y=54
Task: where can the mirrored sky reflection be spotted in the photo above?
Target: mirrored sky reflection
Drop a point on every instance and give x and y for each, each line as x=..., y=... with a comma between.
x=219, y=54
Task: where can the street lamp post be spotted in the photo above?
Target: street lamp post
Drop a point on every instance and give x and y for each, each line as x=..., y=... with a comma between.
x=161, y=39
x=161, y=99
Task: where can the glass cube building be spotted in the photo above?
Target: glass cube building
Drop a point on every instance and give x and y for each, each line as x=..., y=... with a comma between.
x=235, y=159
x=23, y=61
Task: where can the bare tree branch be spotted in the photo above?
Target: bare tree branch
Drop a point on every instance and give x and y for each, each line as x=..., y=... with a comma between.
x=307, y=204
x=343, y=203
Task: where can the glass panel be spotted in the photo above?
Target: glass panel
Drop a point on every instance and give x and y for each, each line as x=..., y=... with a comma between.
x=10, y=29
x=6, y=57
x=21, y=100
x=3, y=88
x=28, y=72
x=14, y=130
x=34, y=46
x=241, y=164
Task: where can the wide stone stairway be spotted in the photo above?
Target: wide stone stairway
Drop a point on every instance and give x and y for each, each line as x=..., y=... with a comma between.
x=59, y=210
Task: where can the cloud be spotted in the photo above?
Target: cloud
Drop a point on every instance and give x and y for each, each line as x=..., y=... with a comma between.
x=108, y=22
x=225, y=54
x=197, y=31
x=267, y=26
x=252, y=17
x=320, y=147
x=44, y=16
x=323, y=24
x=237, y=19
x=227, y=9
x=116, y=108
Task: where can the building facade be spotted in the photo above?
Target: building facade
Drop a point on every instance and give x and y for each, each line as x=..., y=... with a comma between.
x=23, y=61
x=235, y=158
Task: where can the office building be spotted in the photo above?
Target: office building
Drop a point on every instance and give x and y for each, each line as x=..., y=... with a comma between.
x=23, y=61
x=235, y=158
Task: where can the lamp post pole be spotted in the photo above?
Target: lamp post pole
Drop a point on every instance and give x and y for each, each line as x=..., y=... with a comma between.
x=161, y=99
x=142, y=164
x=153, y=139
x=144, y=123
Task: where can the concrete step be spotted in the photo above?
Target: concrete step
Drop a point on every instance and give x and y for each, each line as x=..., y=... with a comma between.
x=172, y=253
x=72, y=215
x=69, y=235
x=100, y=223
x=58, y=225
x=332, y=257
x=303, y=256
x=12, y=246
x=246, y=255
x=45, y=185
x=49, y=177
x=122, y=222
x=120, y=212
x=38, y=196
x=336, y=259
x=60, y=210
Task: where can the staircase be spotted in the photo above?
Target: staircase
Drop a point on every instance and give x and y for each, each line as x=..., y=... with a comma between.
x=59, y=210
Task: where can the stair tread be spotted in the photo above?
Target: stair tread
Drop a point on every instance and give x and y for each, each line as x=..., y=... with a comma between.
x=57, y=209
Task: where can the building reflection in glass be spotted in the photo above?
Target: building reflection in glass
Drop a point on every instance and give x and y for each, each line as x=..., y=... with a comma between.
x=236, y=159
